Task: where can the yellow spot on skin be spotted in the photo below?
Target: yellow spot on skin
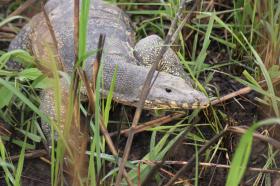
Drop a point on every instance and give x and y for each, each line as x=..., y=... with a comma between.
x=158, y=101
x=185, y=105
x=148, y=102
x=195, y=104
x=173, y=104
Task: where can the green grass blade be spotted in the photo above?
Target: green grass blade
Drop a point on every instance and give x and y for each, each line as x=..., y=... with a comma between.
x=160, y=149
x=7, y=94
x=242, y=153
x=20, y=56
x=91, y=169
x=83, y=27
x=20, y=162
x=240, y=159
x=10, y=19
x=97, y=136
x=24, y=99
x=110, y=97
x=266, y=76
x=224, y=25
x=30, y=135
x=8, y=175
x=203, y=53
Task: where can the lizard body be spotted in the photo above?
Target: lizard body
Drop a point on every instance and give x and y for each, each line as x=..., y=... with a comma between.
x=171, y=89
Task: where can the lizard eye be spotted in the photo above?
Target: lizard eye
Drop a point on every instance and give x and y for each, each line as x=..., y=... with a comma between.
x=168, y=90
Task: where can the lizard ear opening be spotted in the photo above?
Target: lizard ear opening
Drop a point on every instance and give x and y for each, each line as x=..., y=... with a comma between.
x=168, y=90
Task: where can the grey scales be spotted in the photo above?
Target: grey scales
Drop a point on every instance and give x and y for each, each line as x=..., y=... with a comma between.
x=172, y=88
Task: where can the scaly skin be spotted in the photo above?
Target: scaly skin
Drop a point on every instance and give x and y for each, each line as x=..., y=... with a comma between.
x=168, y=91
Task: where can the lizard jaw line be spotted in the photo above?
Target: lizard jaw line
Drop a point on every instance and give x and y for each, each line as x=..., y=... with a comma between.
x=173, y=105
x=157, y=104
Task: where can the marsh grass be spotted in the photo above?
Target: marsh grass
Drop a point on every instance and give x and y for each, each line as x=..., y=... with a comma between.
x=243, y=150
x=252, y=33
x=262, y=17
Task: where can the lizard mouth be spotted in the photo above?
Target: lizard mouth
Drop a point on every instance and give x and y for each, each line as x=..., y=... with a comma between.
x=174, y=105
x=160, y=105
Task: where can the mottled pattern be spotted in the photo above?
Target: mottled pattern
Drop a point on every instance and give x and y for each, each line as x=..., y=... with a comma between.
x=50, y=109
x=147, y=50
x=168, y=91
x=105, y=19
x=22, y=41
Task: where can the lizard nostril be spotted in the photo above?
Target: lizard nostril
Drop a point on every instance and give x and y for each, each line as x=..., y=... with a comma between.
x=168, y=90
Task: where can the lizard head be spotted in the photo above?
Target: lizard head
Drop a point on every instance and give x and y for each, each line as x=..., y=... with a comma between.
x=167, y=92
x=171, y=92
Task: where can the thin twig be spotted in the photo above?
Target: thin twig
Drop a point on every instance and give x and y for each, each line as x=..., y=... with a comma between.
x=51, y=30
x=153, y=163
x=242, y=91
x=30, y=155
x=4, y=36
x=259, y=136
x=91, y=87
x=75, y=86
x=150, y=124
x=4, y=129
x=273, y=171
x=146, y=88
x=5, y=2
x=96, y=64
x=22, y=8
x=184, y=21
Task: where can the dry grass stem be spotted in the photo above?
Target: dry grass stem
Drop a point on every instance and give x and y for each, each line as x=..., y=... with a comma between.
x=273, y=171
x=150, y=124
x=31, y=155
x=54, y=40
x=259, y=136
x=242, y=91
x=22, y=7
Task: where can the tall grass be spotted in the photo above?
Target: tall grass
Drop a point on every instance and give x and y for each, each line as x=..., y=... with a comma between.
x=242, y=153
x=262, y=17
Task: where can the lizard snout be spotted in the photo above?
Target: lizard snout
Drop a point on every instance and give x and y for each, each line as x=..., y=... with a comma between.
x=173, y=92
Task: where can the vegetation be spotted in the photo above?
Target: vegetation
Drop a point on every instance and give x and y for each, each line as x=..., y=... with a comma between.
x=225, y=47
